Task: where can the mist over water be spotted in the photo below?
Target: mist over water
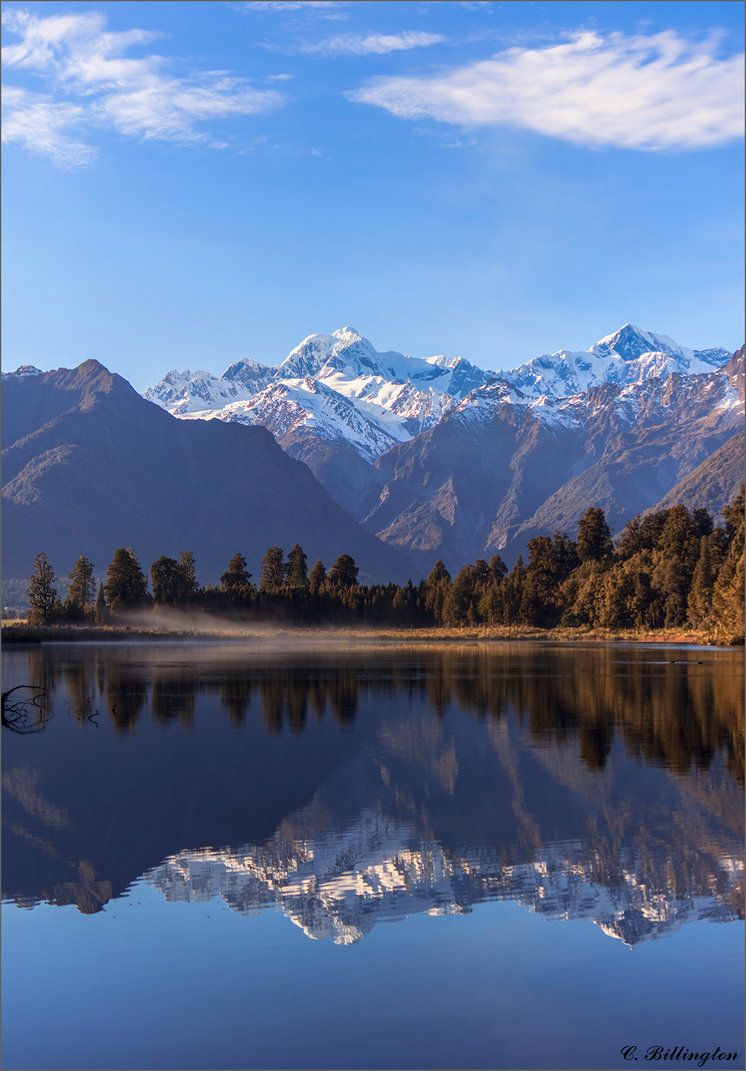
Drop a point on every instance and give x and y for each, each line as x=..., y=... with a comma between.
x=254, y=811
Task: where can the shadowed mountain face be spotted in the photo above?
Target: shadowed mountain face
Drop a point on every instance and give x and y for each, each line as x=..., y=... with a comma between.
x=347, y=787
x=89, y=466
x=714, y=483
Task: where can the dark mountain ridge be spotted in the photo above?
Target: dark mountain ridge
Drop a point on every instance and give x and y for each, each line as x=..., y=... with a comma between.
x=90, y=465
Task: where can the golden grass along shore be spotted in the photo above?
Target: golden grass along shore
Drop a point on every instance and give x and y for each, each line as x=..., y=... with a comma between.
x=20, y=632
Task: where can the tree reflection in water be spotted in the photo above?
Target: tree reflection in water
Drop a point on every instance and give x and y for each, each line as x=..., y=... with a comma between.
x=670, y=712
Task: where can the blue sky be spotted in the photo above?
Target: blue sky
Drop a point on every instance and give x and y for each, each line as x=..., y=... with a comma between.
x=188, y=183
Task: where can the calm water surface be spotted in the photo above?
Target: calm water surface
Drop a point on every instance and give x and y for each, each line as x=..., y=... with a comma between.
x=206, y=846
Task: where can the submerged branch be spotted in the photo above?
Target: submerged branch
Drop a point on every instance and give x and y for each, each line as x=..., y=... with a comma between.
x=17, y=714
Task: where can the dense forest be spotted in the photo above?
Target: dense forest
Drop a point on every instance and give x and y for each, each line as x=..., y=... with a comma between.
x=673, y=568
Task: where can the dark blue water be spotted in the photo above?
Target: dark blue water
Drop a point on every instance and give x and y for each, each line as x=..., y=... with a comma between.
x=454, y=856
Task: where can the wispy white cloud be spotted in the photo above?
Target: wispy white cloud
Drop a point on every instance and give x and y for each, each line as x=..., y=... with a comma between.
x=290, y=5
x=44, y=126
x=327, y=9
x=484, y=6
x=654, y=93
x=359, y=44
x=75, y=49
x=91, y=82
x=172, y=109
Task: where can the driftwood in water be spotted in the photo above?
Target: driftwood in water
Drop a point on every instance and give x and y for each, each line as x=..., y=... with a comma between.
x=25, y=714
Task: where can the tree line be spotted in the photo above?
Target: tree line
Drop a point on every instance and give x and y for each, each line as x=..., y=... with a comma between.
x=673, y=568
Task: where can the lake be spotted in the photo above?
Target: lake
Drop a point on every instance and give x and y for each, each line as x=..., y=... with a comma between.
x=222, y=855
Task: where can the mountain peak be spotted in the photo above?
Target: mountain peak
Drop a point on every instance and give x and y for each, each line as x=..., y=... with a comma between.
x=345, y=334
x=248, y=373
x=630, y=342
x=343, y=346
x=25, y=370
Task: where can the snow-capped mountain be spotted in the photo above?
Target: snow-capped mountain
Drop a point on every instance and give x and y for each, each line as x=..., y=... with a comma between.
x=336, y=385
x=348, y=358
x=185, y=393
x=629, y=355
x=573, y=391
x=285, y=407
x=346, y=391
x=332, y=390
x=24, y=370
x=631, y=343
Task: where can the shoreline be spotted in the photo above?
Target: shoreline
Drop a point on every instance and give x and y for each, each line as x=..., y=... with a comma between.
x=20, y=634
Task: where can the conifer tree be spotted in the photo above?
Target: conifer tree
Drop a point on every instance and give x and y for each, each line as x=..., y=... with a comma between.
x=728, y=591
x=513, y=592
x=550, y=563
x=458, y=606
x=699, y=605
x=734, y=517
x=594, y=536
x=702, y=521
x=79, y=601
x=102, y=613
x=344, y=572
x=126, y=587
x=436, y=590
x=675, y=558
x=167, y=581
x=613, y=599
x=491, y=603
x=273, y=570
x=42, y=594
x=316, y=577
x=188, y=570
x=236, y=579
x=497, y=566
x=297, y=572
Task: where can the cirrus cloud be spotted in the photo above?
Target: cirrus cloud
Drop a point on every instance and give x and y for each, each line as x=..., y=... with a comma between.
x=652, y=93
x=90, y=81
x=370, y=44
x=46, y=127
x=325, y=9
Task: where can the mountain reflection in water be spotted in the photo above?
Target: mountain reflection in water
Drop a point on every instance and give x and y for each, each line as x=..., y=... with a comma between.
x=346, y=786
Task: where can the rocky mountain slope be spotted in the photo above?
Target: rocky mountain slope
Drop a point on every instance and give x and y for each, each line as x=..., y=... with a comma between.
x=89, y=465
x=496, y=472
x=714, y=483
